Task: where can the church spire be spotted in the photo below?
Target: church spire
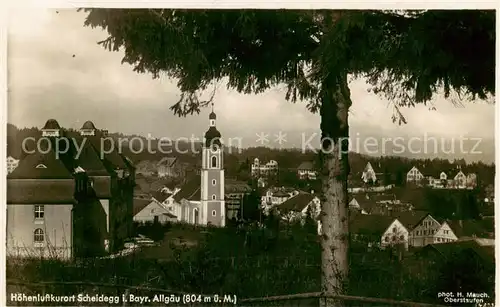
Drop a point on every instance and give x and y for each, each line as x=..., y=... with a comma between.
x=212, y=117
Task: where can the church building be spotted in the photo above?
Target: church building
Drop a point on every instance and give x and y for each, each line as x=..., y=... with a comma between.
x=201, y=200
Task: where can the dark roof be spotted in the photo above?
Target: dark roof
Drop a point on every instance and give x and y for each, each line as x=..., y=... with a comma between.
x=160, y=196
x=296, y=203
x=307, y=166
x=112, y=160
x=410, y=219
x=212, y=137
x=212, y=115
x=51, y=124
x=49, y=167
x=140, y=204
x=36, y=191
x=190, y=190
x=281, y=193
x=448, y=250
x=89, y=158
x=369, y=224
x=366, y=204
x=468, y=228
x=88, y=125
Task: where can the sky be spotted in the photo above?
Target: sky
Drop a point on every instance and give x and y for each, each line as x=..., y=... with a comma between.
x=57, y=70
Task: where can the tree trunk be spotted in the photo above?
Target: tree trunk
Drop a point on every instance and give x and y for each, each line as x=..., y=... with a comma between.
x=334, y=171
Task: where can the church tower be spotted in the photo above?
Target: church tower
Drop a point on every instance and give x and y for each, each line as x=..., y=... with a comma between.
x=212, y=177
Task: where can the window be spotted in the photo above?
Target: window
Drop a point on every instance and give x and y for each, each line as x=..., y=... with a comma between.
x=153, y=210
x=214, y=197
x=386, y=239
x=39, y=236
x=439, y=239
x=214, y=182
x=394, y=230
x=214, y=161
x=401, y=237
x=214, y=213
x=41, y=166
x=39, y=212
x=394, y=238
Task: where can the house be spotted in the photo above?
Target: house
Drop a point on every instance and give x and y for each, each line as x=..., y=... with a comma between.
x=453, y=178
x=236, y=193
x=299, y=206
x=471, y=181
x=356, y=207
x=460, y=180
x=264, y=169
x=12, y=163
x=376, y=230
x=369, y=175
x=169, y=167
x=430, y=231
x=64, y=204
x=202, y=198
x=414, y=175
x=152, y=211
x=275, y=196
x=146, y=168
x=306, y=171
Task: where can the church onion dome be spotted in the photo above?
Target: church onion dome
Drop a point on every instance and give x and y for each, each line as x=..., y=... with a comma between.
x=51, y=124
x=212, y=116
x=212, y=137
x=88, y=125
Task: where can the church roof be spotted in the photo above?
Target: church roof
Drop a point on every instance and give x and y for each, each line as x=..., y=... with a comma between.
x=51, y=124
x=212, y=137
x=191, y=190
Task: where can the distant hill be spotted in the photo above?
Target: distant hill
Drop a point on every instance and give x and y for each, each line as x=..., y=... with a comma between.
x=238, y=160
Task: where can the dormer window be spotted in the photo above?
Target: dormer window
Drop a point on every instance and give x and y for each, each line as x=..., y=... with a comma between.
x=41, y=166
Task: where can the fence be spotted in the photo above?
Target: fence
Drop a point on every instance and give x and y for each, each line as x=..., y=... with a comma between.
x=124, y=295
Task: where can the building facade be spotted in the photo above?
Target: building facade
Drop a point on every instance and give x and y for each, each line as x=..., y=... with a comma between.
x=264, y=169
x=72, y=203
x=430, y=231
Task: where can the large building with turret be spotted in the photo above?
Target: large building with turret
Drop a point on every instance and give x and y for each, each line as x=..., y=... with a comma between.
x=69, y=197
